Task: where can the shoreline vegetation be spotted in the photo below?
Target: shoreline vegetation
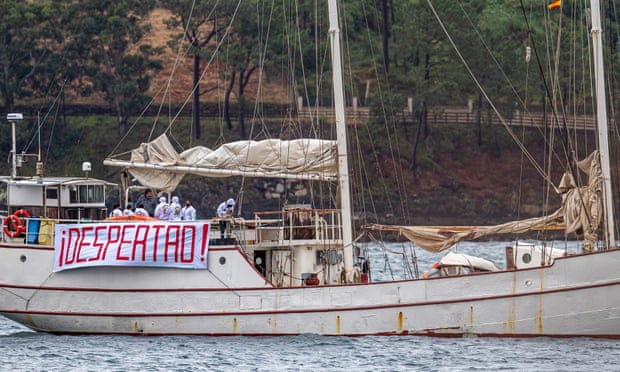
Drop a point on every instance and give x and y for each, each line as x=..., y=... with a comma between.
x=424, y=163
x=454, y=181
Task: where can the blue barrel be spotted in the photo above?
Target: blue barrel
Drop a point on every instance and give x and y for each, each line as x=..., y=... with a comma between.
x=32, y=232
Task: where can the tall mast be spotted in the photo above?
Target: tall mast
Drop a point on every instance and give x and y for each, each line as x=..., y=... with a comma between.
x=602, y=124
x=341, y=136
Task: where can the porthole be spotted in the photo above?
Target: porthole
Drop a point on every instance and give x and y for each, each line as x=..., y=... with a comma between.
x=222, y=260
x=527, y=258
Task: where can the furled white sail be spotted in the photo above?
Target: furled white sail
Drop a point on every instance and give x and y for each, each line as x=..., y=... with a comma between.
x=580, y=213
x=158, y=165
x=439, y=238
x=583, y=206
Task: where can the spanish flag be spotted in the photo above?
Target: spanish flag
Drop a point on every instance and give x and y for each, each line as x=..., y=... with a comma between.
x=554, y=4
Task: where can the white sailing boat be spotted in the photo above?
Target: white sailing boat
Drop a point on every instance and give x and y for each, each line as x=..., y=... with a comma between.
x=290, y=273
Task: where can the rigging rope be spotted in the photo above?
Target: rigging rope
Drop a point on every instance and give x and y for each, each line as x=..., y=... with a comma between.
x=486, y=96
x=164, y=88
x=188, y=98
x=377, y=160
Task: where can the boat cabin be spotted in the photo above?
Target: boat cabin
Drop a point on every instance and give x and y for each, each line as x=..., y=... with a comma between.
x=31, y=205
x=74, y=198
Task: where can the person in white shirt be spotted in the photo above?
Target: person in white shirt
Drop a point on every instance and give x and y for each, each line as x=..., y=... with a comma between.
x=225, y=210
x=175, y=209
x=128, y=211
x=188, y=213
x=116, y=211
x=140, y=211
x=162, y=209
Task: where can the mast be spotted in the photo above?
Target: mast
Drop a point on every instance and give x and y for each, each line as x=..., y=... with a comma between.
x=341, y=136
x=602, y=123
x=14, y=151
x=13, y=118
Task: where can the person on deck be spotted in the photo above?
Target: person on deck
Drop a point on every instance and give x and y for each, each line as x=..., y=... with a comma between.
x=128, y=211
x=162, y=211
x=148, y=201
x=140, y=211
x=175, y=209
x=188, y=213
x=225, y=210
x=116, y=211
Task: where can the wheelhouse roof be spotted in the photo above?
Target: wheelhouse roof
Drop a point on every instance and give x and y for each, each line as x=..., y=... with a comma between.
x=53, y=181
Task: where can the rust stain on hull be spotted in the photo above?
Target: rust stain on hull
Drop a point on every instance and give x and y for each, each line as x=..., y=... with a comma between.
x=31, y=321
x=338, y=324
x=509, y=326
x=540, y=302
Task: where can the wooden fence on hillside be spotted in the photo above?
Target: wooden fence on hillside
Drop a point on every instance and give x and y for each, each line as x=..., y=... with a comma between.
x=451, y=115
x=358, y=115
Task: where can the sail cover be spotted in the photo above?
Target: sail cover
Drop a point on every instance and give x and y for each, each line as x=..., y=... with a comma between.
x=158, y=165
x=436, y=239
x=580, y=212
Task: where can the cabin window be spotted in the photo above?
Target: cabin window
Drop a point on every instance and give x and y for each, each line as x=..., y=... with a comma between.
x=84, y=194
x=83, y=191
x=99, y=193
x=51, y=193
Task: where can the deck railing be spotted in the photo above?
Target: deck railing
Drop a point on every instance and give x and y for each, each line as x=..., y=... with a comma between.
x=298, y=224
x=277, y=226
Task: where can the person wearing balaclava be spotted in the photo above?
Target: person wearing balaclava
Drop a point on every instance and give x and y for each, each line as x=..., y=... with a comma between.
x=225, y=210
x=162, y=210
x=188, y=213
x=175, y=209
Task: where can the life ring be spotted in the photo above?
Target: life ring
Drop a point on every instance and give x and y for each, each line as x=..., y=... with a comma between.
x=13, y=226
x=21, y=213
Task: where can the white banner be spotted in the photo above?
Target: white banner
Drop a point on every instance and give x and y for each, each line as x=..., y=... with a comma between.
x=163, y=244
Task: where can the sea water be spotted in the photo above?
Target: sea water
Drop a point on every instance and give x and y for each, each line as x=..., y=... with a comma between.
x=24, y=350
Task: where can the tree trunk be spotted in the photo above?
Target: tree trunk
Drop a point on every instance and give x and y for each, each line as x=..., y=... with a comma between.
x=121, y=116
x=427, y=79
x=63, y=110
x=227, y=100
x=122, y=121
x=385, y=37
x=9, y=103
x=241, y=104
x=424, y=120
x=479, y=120
x=196, y=99
x=416, y=142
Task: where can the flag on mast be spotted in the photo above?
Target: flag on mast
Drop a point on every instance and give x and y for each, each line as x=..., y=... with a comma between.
x=554, y=4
